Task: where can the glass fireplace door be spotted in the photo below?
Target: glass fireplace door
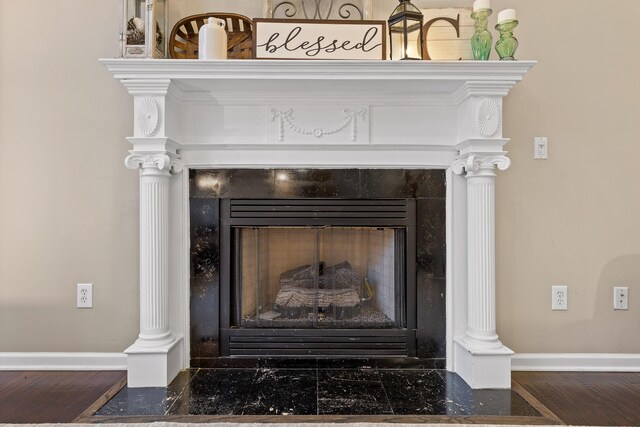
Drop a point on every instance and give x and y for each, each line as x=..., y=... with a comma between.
x=319, y=277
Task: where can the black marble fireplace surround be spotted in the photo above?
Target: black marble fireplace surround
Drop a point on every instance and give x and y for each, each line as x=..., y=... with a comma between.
x=208, y=187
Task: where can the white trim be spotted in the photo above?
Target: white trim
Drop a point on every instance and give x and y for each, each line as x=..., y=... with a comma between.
x=186, y=270
x=63, y=362
x=450, y=270
x=594, y=362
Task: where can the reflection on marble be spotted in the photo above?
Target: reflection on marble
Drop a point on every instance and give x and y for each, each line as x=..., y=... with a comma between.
x=205, y=231
x=351, y=392
x=205, y=277
x=311, y=363
x=231, y=183
x=283, y=392
x=431, y=237
x=402, y=183
x=317, y=391
x=204, y=300
x=147, y=400
x=415, y=392
x=317, y=183
x=432, y=322
x=465, y=401
x=217, y=392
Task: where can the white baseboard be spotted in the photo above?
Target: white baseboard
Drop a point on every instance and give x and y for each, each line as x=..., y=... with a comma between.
x=594, y=362
x=63, y=362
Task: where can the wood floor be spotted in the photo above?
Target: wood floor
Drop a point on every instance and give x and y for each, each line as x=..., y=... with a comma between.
x=586, y=398
x=54, y=397
x=573, y=398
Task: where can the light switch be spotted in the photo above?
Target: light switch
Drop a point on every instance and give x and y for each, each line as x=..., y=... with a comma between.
x=621, y=298
x=540, y=148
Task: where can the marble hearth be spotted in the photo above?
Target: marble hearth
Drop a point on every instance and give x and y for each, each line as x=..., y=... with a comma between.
x=317, y=115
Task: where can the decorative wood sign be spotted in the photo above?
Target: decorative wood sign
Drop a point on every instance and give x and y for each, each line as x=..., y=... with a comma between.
x=448, y=33
x=312, y=39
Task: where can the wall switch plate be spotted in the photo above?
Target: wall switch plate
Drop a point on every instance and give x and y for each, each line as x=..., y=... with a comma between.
x=559, y=298
x=620, y=298
x=540, y=148
x=84, y=295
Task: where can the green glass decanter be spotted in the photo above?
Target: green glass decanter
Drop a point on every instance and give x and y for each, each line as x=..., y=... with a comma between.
x=508, y=44
x=482, y=39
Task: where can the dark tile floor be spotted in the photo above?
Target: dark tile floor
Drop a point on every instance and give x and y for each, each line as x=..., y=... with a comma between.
x=316, y=391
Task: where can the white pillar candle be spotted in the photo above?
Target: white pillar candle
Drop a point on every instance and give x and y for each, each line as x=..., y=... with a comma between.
x=481, y=4
x=507, y=15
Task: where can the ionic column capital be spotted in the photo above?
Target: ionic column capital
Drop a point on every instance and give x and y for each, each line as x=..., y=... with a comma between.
x=163, y=163
x=481, y=164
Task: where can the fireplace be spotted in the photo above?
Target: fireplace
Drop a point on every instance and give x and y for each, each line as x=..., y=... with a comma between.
x=365, y=290
x=356, y=118
x=327, y=263
x=318, y=277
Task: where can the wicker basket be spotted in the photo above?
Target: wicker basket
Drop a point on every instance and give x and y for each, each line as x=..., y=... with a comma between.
x=183, y=42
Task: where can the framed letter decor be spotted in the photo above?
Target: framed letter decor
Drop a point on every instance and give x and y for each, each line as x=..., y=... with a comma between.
x=447, y=33
x=313, y=39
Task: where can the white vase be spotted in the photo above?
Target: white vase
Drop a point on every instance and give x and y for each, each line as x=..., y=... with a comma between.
x=212, y=40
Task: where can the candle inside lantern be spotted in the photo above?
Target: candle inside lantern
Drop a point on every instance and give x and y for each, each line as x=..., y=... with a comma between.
x=507, y=15
x=481, y=4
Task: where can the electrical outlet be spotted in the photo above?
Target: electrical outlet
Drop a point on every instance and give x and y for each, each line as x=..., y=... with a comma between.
x=620, y=298
x=559, y=298
x=84, y=295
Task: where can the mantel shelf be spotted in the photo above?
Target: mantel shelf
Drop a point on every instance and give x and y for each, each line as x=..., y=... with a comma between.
x=185, y=69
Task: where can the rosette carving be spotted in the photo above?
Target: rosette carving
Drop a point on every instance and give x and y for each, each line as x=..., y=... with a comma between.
x=148, y=116
x=488, y=117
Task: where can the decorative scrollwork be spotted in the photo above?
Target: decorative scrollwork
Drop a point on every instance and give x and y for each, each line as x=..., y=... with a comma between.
x=345, y=13
x=161, y=162
x=286, y=118
x=177, y=165
x=290, y=9
x=479, y=163
x=316, y=9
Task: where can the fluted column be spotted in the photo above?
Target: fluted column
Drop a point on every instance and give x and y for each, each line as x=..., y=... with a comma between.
x=481, y=253
x=155, y=173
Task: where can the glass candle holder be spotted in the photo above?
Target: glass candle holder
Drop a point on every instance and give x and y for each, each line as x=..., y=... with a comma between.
x=482, y=40
x=508, y=44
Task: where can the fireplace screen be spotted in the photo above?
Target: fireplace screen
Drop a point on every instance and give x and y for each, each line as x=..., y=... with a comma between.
x=315, y=277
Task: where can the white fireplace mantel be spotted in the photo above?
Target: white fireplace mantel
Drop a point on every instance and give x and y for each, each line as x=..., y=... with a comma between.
x=318, y=114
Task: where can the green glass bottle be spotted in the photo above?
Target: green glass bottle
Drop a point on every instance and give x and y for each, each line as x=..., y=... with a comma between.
x=508, y=44
x=482, y=39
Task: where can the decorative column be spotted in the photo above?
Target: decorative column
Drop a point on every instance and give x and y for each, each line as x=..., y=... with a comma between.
x=156, y=357
x=479, y=355
x=481, y=218
x=155, y=173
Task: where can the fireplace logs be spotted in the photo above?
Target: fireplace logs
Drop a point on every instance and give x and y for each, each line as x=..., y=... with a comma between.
x=334, y=289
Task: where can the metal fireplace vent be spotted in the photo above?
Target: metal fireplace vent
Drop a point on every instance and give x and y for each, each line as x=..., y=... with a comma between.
x=318, y=277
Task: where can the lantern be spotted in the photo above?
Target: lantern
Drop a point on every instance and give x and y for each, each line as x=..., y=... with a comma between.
x=144, y=33
x=405, y=31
